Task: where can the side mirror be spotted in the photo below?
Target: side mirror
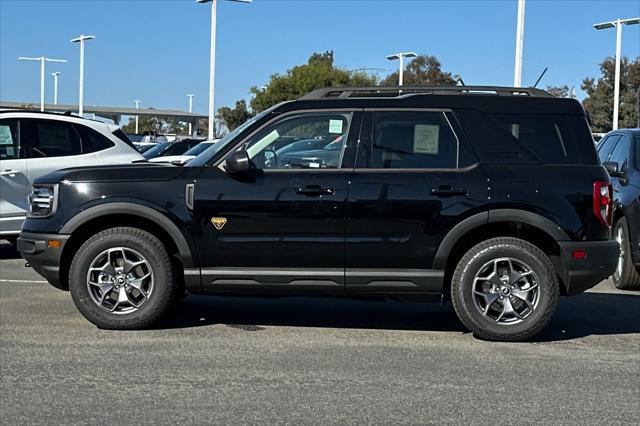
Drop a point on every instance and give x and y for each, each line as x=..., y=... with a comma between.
x=238, y=163
x=613, y=169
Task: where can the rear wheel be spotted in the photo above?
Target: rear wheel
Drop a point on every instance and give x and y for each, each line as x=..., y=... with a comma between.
x=121, y=278
x=626, y=276
x=505, y=289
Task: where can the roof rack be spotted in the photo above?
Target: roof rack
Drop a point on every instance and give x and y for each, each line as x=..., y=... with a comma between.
x=397, y=91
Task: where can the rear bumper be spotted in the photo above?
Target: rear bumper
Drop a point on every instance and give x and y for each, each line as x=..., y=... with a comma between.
x=43, y=259
x=599, y=261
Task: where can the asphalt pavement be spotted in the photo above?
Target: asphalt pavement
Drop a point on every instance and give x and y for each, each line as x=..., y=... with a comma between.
x=217, y=360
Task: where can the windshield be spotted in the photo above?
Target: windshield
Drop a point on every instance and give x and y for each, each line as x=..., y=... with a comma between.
x=199, y=148
x=156, y=150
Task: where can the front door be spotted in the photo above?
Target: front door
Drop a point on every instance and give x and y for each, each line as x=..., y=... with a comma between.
x=281, y=226
x=414, y=180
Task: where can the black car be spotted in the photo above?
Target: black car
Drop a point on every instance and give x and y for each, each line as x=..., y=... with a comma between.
x=619, y=151
x=492, y=197
x=165, y=149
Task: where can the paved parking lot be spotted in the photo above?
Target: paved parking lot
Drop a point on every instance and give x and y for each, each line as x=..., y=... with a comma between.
x=302, y=361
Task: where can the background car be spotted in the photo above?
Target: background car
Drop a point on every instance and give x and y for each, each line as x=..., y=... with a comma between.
x=619, y=152
x=35, y=143
x=188, y=155
x=171, y=148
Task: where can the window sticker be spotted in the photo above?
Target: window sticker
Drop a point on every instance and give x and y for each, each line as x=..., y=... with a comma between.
x=426, y=139
x=335, y=126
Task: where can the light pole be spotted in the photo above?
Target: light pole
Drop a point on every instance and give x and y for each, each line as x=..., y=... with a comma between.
x=617, y=24
x=400, y=56
x=190, y=96
x=42, y=60
x=517, y=74
x=212, y=72
x=55, y=87
x=137, y=102
x=81, y=39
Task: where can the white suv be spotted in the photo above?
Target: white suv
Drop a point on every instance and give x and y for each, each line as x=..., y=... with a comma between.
x=35, y=143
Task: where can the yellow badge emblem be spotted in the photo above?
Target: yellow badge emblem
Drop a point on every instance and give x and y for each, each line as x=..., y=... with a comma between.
x=219, y=222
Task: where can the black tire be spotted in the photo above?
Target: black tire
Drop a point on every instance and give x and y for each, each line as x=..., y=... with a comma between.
x=152, y=250
x=475, y=260
x=628, y=278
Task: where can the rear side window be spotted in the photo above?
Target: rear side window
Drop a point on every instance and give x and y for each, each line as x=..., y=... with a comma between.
x=92, y=141
x=548, y=137
x=9, y=140
x=413, y=140
x=53, y=139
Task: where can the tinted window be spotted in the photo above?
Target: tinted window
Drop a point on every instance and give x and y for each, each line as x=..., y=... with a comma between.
x=92, y=141
x=176, y=148
x=313, y=140
x=156, y=151
x=605, y=146
x=548, y=137
x=637, y=150
x=409, y=140
x=9, y=141
x=621, y=152
x=53, y=139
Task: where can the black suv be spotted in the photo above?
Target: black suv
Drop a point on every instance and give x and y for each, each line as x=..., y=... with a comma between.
x=494, y=197
x=619, y=152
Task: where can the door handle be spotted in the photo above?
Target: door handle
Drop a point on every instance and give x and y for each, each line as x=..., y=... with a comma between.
x=9, y=172
x=448, y=191
x=315, y=190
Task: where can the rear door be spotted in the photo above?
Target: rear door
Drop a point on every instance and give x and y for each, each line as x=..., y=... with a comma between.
x=414, y=180
x=14, y=184
x=280, y=227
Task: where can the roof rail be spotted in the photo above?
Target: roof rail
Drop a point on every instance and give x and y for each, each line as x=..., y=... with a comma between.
x=396, y=91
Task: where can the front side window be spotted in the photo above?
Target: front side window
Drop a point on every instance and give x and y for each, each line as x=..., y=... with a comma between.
x=9, y=141
x=54, y=139
x=620, y=152
x=304, y=141
x=413, y=140
x=605, y=146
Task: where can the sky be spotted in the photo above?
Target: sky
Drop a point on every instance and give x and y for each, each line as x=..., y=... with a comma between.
x=158, y=50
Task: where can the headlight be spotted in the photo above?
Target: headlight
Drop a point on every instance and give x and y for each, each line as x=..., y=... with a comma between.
x=43, y=200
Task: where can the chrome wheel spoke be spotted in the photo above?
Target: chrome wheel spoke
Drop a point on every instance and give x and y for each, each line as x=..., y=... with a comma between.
x=120, y=280
x=506, y=290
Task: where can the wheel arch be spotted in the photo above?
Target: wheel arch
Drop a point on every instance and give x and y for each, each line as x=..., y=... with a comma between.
x=526, y=225
x=104, y=216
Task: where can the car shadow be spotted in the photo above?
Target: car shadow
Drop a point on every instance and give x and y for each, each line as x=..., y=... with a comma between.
x=578, y=316
x=8, y=251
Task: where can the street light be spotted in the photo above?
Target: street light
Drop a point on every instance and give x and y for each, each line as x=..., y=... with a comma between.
x=517, y=74
x=81, y=39
x=55, y=87
x=137, y=102
x=617, y=24
x=42, y=60
x=190, y=96
x=212, y=72
x=401, y=56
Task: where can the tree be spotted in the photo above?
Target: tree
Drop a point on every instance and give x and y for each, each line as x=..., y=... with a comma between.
x=599, y=100
x=559, y=91
x=232, y=118
x=318, y=72
x=146, y=123
x=424, y=70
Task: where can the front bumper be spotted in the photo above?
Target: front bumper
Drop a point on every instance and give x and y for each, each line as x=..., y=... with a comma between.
x=599, y=262
x=45, y=260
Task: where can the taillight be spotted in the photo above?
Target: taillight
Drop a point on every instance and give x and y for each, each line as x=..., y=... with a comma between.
x=603, y=202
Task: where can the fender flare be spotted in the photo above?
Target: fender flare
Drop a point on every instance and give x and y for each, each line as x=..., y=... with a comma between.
x=494, y=216
x=133, y=209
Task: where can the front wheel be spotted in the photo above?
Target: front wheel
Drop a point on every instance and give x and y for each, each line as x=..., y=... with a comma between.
x=121, y=279
x=505, y=289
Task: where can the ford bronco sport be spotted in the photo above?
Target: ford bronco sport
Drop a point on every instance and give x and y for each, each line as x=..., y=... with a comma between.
x=493, y=197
